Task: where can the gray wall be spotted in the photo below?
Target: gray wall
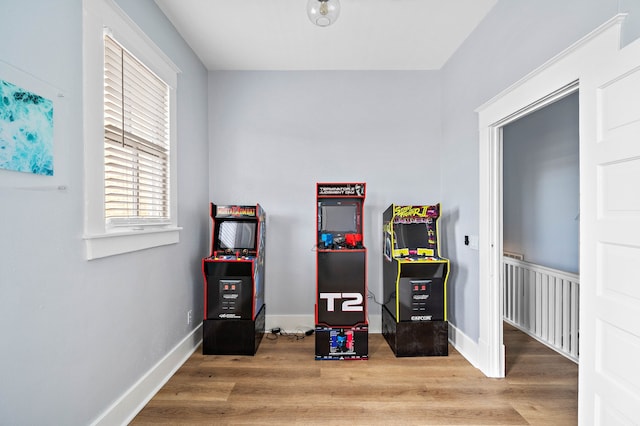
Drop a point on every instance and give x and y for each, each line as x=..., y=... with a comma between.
x=76, y=334
x=277, y=116
x=541, y=186
x=275, y=134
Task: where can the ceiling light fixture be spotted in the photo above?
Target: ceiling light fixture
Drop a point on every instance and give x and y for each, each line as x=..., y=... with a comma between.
x=323, y=12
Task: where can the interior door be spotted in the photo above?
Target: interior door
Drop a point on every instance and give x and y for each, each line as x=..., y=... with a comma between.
x=609, y=389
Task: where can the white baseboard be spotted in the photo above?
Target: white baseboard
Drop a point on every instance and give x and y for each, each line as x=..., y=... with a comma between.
x=463, y=344
x=135, y=398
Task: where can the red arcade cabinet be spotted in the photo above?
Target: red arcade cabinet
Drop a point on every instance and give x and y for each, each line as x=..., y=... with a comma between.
x=341, y=281
x=234, y=309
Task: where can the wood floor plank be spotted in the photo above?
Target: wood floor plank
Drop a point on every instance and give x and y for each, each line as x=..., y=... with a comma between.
x=283, y=384
x=190, y=390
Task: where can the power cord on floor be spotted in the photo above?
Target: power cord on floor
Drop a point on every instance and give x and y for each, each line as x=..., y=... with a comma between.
x=298, y=335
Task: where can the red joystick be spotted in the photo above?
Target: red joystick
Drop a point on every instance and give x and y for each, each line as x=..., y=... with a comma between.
x=238, y=253
x=215, y=254
x=353, y=239
x=350, y=239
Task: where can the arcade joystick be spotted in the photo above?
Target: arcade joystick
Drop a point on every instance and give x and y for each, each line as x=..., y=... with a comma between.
x=327, y=239
x=353, y=240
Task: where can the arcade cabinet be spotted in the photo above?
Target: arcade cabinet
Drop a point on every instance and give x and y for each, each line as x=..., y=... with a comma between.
x=414, y=312
x=341, y=324
x=234, y=309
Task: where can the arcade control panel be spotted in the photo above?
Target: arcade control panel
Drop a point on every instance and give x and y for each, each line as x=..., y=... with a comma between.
x=330, y=241
x=233, y=255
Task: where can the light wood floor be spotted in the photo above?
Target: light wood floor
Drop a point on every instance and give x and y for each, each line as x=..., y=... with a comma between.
x=283, y=384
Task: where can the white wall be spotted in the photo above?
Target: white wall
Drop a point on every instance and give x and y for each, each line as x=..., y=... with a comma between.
x=541, y=186
x=275, y=134
x=77, y=334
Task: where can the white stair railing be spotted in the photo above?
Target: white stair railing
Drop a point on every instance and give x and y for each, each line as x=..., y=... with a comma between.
x=543, y=303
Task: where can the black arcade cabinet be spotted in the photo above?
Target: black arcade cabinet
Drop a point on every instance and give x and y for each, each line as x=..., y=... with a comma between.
x=414, y=313
x=341, y=282
x=234, y=309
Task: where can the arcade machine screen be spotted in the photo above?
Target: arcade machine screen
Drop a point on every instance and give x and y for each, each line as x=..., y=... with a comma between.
x=339, y=219
x=237, y=235
x=411, y=236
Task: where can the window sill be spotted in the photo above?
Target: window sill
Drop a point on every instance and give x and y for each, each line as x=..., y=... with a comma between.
x=120, y=242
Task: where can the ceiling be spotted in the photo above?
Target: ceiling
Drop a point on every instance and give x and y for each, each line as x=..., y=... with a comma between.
x=368, y=35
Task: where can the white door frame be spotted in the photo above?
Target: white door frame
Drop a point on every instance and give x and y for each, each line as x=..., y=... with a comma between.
x=554, y=79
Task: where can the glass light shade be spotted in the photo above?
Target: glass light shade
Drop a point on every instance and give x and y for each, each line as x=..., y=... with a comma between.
x=323, y=12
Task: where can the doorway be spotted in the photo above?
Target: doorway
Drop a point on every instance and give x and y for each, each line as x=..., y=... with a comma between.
x=491, y=214
x=541, y=201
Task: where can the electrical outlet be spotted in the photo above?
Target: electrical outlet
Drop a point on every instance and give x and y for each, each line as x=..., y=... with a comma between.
x=189, y=317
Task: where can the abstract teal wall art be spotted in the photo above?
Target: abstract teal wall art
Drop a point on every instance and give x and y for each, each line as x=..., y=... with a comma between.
x=26, y=131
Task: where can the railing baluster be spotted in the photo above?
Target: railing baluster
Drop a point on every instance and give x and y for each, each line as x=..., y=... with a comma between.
x=543, y=303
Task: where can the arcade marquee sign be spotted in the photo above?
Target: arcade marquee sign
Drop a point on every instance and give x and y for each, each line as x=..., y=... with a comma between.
x=235, y=211
x=341, y=189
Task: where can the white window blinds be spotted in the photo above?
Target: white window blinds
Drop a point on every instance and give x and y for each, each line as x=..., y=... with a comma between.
x=136, y=141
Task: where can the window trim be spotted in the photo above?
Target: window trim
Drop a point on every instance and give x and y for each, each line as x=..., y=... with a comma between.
x=101, y=240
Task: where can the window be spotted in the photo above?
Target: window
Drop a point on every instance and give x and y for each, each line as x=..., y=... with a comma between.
x=136, y=140
x=129, y=135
